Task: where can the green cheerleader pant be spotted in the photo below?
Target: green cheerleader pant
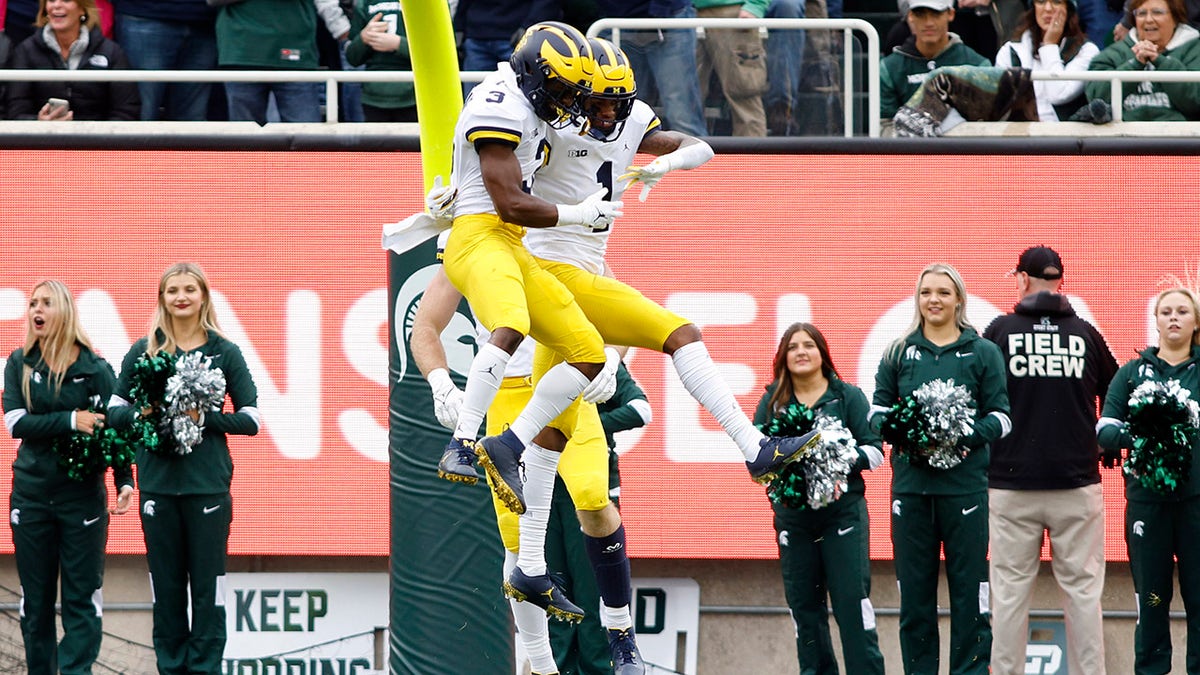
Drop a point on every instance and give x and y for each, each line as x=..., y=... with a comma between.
x=186, y=542
x=825, y=552
x=921, y=526
x=1156, y=533
x=48, y=537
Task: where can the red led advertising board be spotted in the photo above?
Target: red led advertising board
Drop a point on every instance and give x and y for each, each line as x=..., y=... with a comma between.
x=743, y=246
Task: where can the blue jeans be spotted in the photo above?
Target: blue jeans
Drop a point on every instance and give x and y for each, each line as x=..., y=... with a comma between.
x=785, y=55
x=483, y=55
x=169, y=45
x=296, y=101
x=669, y=58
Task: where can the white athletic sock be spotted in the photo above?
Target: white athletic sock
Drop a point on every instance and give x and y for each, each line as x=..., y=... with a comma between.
x=699, y=376
x=531, y=627
x=483, y=381
x=540, y=467
x=616, y=618
x=553, y=394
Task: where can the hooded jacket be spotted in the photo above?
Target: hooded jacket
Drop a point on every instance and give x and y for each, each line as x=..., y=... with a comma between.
x=45, y=419
x=1153, y=101
x=1058, y=367
x=88, y=100
x=902, y=72
x=846, y=403
x=971, y=362
x=1111, y=427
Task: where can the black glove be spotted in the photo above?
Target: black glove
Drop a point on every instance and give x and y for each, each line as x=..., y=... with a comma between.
x=1110, y=458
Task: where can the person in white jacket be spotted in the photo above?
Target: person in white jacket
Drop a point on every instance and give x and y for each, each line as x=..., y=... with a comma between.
x=1049, y=38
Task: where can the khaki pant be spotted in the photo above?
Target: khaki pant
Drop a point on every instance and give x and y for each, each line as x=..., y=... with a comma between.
x=1075, y=520
x=740, y=60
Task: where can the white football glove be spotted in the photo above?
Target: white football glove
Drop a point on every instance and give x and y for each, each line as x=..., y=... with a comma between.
x=593, y=212
x=447, y=398
x=649, y=175
x=440, y=199
x=604, y=385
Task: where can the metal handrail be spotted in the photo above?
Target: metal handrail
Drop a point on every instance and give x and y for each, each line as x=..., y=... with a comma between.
x=331, y=78
x=847, y=26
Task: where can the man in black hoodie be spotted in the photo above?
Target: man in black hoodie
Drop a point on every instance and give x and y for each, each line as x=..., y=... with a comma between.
x=1044, y=475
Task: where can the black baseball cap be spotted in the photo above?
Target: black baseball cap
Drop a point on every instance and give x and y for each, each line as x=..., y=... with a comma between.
x=1041, y=262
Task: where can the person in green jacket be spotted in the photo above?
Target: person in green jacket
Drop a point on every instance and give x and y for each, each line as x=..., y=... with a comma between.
x=378, y=40
x=1160, y=40
x=186, y=507
x=930, y=46
x=932, y=508
x=59, y=520
x=825, y=551
x=1160, y=528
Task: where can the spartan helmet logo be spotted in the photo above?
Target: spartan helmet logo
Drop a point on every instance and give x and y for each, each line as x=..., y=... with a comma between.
x=783, y=537
x=15, y=517
x=148, y=508
x=896, y=506
x=1138, y=527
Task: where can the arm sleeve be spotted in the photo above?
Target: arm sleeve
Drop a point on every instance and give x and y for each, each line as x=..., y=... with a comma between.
x=334, y=19
x=762, y=413
x=120, y=409
x=1185, y=96
x=21, y=104
x=889, y=96
x=994, y=421
x=870, y=446
x=628, y=408
x=245, y=418
x=1110, y=430
x=357, y=51
x=124, y=101
x=1062, y=91
x=887, y=392
x=106, y=383
x=22, y=423
x=1114, y=57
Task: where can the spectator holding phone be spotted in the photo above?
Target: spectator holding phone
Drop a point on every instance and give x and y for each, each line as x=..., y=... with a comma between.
x=69, y=37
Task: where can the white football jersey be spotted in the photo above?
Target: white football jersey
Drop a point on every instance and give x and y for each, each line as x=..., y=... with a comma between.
x=571, y=169
x=496, y=109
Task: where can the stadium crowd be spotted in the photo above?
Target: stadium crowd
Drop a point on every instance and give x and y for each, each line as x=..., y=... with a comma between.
x=784, y=84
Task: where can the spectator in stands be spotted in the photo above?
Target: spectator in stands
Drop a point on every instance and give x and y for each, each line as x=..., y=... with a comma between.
x=785, y=62
x=1050, y=39
x=490, y=29
x=275, y=35
x=69, y=37
x=823, y=548
x=1161, y=40
x=663, y=61
x=169, y=35
x=981, y=24
x=58, y=507
x=1099, y=17
x=379, y=41
x=739, y=60
x=20, y=19
x=583, y=648
x=1162, y=503
x=930, y=46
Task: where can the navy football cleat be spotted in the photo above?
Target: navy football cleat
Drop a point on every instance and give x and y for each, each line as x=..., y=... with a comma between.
x=504, y=469
x=626, y=659
x=775, y=451
x=543, y=592
x=458, y=462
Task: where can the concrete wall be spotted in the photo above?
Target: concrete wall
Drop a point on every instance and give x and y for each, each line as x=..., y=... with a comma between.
x=760, y=640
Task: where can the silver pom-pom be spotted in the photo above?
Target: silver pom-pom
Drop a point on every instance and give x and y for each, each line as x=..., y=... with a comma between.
x=827, y=466
x=196, y=385
x=950, y=413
